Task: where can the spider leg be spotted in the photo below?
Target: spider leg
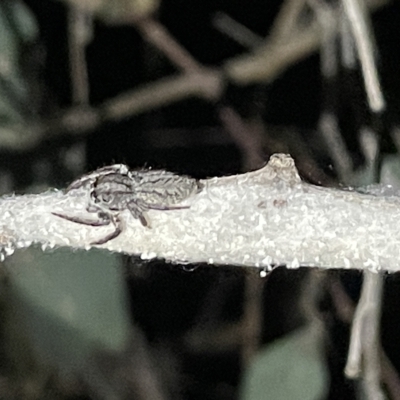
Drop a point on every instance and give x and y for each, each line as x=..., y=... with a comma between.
x=166, y=208
x=138, y=209
x=105, y=220
x=118, y=229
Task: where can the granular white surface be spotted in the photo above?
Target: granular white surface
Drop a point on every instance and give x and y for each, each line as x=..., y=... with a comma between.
x=262, y=218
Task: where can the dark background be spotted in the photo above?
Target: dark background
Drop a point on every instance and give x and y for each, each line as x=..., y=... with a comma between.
x=167, y=299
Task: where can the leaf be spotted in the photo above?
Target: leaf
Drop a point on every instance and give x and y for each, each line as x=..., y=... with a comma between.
x=70, y=303
x=18, y=30
x=290, y=368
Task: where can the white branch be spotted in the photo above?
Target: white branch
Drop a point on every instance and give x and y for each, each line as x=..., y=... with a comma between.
x=261, y=218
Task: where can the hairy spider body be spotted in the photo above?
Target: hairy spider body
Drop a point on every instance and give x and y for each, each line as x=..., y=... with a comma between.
x=115, y=188
x=90, y=178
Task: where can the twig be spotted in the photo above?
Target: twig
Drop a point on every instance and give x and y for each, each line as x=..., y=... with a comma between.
x=370, y=147
x=358, y=17
x=347, y=45
x=395, y=134
x=79, y=34
x=248, y=141
x=390, y=377
x=285, y=21
x=208, y=336
x=264, y=65
x=326, y=17
x=329, y=127
x=364, y=341
x=158, y=35
x=236, y=31
x=273, y=58
x=206, y=83
x=328, y=122
x=310, y=297
x=345, y=310
x=252, y=316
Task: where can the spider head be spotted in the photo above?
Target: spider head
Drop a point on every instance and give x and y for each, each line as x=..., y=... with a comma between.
x=91, y=178
x=111, y=192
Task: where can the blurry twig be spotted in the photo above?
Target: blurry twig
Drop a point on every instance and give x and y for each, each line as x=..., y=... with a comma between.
x=328, y=21
x=363, y=357
x=364, y=346
x=370, y=147
x=357, y=14
x=248, y=140
x=195, y=81
x=252, y=315
x=79, y=35
x=205, y=83
x=395, y=134
x=311, y=293
x=285, y=21
x=347, y=45
x=342, y=161
x=155, y=33
x=345, y=309
x=264, y=64
x=328, y=122
x=236, y=31
x=79, y=31
x=244, y=334
x=274, y=57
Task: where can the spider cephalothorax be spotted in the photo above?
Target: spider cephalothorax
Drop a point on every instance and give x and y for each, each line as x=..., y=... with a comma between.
x=115, y=188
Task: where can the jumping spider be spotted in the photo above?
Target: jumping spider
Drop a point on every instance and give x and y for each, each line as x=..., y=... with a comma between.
x=116, y=188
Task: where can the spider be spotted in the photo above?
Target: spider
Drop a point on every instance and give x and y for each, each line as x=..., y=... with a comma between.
x=116, y=188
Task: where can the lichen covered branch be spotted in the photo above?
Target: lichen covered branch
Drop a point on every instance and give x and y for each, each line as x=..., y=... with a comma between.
x=263, y=218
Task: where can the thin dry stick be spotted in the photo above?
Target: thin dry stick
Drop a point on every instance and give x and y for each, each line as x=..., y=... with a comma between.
x=274, y=57
x=236, y=31
x=364, y=341
x=342, y=161
x=285, y=22
x=371, y=338
x=79, y=33
x=395, y=134
x=347, y=46
x=310, y=297
x=205, y=84
x=369, y=143
x=158, y=35
x=249, y=141
x=358, y=17
x=328, y=123
x=252, y=316
x=390, y=377
x=197, y=80
x=345, y=310
x=264, y=65
x=327, y=19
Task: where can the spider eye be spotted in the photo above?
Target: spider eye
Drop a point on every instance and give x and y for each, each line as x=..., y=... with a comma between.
x=107, y=198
